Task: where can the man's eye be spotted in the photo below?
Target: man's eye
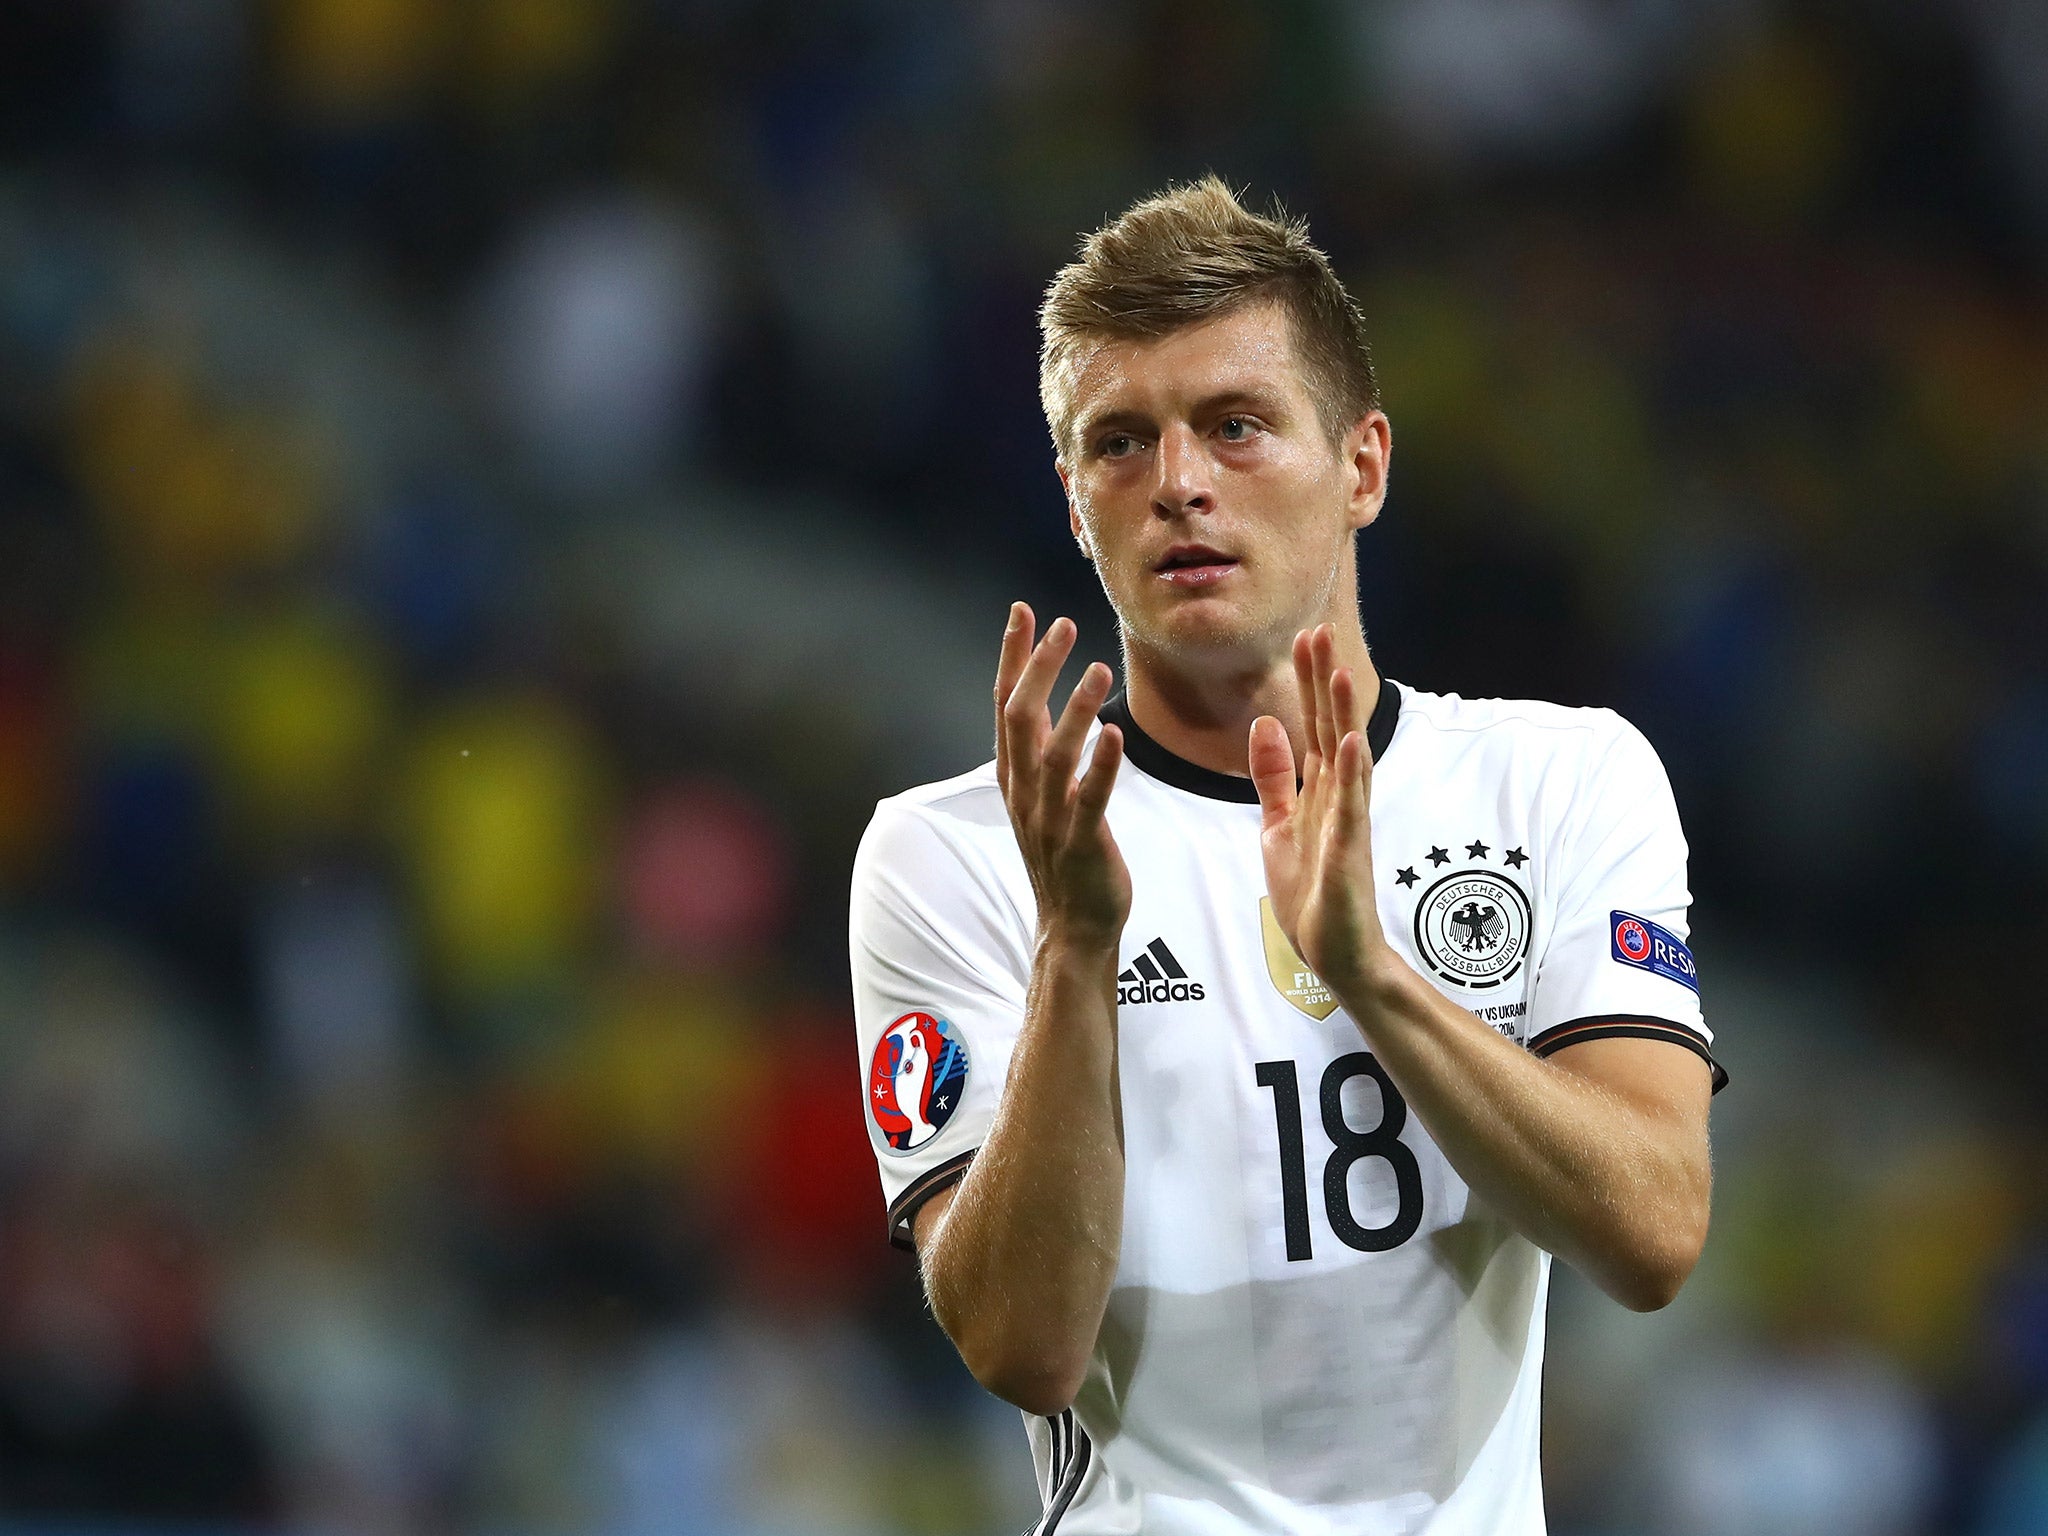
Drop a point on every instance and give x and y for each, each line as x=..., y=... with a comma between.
x=1116, y=445
x=1235, y=429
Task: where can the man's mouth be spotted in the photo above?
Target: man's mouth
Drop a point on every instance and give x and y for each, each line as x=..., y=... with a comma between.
x=1194, y=565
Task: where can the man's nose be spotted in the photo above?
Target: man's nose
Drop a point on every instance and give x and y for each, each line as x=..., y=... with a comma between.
x=1184, y=483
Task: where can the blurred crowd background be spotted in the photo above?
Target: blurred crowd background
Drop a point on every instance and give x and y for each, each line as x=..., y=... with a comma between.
x=491, y=491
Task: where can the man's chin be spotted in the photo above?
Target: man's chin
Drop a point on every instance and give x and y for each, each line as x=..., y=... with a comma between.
x=1211, y=631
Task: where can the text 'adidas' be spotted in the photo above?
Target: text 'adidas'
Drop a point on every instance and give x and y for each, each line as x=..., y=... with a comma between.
x=1156, y=977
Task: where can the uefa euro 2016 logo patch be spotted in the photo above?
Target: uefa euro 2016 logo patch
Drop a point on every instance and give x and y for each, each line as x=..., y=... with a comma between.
x=915, y=1080
x=1640, y=943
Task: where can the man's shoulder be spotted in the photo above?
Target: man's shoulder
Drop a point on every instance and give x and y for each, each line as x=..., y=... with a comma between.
x=1574, y=766
x=1521, y=725
x=948, y=819
x=970, y=799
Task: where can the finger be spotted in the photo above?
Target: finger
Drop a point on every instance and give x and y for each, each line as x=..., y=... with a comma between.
x=1010, y=661
x=1091, y=797
x=1305, y=685
x=1344, y=699
x=1027, y=700
x=1015, y=652
x=1063, y=750
x=1272, y=763
x=1353, y=815
x=1024, y=714
x=1324, y=650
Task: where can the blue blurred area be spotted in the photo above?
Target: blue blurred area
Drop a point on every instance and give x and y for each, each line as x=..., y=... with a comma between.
x=491, y=491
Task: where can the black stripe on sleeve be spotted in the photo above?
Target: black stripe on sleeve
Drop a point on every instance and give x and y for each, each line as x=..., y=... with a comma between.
x=1627, y=1026
x=903, y=1209
x=1074, y=1470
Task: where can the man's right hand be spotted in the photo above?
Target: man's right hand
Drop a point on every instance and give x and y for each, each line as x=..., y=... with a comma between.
x=1077, y=873
x=1020, y=1255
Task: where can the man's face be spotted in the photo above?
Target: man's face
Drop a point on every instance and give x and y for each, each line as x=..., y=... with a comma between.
x=1201, y=481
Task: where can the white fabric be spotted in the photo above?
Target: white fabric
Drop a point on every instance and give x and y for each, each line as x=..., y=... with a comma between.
x=1235, y=1388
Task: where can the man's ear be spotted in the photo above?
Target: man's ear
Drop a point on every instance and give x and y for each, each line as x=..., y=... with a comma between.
x=1368, y=452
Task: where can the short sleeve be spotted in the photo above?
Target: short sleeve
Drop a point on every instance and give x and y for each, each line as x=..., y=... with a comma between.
x=940, y=958
x=1617, y=960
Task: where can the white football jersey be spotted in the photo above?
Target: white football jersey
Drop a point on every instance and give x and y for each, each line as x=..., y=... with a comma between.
x=1315, y=1326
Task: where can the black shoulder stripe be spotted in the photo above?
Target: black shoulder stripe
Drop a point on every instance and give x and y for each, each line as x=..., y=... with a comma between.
x=1072, y=1470
x=1627, y=1026
x=903, y=1209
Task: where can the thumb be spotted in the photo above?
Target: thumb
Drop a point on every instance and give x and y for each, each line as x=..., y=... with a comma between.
x=1272, y=764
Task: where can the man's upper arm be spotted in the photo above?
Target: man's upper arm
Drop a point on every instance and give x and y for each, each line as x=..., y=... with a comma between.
x=939, y=973
x=1616, y=993
x=1664, y=1081
x=925, y=1221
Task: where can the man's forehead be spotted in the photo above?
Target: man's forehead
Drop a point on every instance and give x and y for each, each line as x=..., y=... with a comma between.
x=1249, y=350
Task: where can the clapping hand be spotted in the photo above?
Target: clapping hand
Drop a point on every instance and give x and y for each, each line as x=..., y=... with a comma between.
x=1317, y=840
x=1077, y=872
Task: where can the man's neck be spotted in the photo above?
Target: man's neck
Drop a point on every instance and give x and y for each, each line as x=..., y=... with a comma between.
x=1205, y=715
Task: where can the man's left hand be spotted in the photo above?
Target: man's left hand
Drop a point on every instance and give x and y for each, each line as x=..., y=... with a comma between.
x=1317, y=839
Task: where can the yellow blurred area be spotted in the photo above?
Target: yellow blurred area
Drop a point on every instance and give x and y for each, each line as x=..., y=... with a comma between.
x=521, y=46
x=190, y=490
x=356, y=61
x=307, y=707
x=1489, y=397
x=1770, y=128
x=662, y=1067
x=501, y=812
x=344, y=1195
x=296, y=705
x=1434, y=352
x=1898, y=1253
x=352, y=59
x=1934, y=1237
x=1977, y=378
x=154, y=670
x=1572, y=438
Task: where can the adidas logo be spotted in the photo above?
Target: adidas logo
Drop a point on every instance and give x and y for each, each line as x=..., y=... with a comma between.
x=1156, y=977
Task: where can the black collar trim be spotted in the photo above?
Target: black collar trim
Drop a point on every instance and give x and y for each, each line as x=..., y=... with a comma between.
x=1153, y=759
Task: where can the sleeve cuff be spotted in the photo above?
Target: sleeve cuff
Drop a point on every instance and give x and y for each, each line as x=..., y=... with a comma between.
x=1627, y=1026
x=904, y=1208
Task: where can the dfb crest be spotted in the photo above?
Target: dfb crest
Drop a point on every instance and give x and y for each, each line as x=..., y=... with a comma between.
x=915, y=1080
x=1472, y=927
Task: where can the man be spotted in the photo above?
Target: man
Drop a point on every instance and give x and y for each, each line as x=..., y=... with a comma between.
x=1237, y=1066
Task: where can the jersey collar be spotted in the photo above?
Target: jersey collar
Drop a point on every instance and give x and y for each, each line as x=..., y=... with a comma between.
x=1153, y=759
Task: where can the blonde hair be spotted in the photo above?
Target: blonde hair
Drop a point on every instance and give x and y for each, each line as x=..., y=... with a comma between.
x=1189, y=254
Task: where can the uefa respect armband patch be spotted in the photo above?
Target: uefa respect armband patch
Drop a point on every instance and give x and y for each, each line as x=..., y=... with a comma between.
x=1646, y=946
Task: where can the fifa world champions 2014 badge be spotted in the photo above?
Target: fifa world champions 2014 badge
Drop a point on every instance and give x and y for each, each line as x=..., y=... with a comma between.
x=1472, y=928
x=915, y=1080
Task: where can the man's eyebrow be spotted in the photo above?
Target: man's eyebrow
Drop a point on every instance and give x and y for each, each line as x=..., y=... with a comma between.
x=1249, y=396
x=1102, y=421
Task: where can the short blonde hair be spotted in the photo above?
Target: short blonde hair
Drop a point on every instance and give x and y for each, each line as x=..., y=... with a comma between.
x=1190, y=254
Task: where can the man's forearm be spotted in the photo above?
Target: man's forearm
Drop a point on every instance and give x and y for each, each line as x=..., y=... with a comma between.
x=1616, y=1184
x=1019, y=1270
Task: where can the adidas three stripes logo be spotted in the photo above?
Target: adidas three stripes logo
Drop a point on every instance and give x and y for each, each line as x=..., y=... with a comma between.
x=1156, y=977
